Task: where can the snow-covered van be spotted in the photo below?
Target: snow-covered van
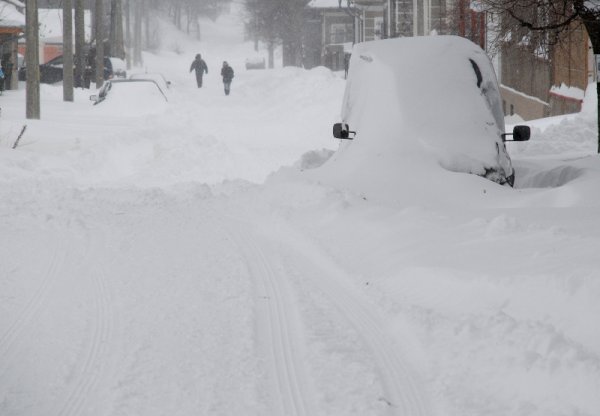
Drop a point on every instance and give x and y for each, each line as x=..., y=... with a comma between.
x=427, y=98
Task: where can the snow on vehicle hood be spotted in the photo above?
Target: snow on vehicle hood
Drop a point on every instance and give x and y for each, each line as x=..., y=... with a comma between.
x=133, y=99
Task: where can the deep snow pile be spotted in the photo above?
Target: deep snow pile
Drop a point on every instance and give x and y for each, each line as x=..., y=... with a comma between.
x=156, y=264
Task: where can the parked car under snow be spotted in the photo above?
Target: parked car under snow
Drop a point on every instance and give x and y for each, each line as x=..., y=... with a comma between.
x=119, y=67
x=130, y=97
x=428, y=96
x=255, y=62
x=157, y=77
x=52, y=71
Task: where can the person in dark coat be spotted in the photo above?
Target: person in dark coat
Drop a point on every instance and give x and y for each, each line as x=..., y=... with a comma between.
x=1, y=79
x=227, y=74
x=346, y=64
x=200, y=67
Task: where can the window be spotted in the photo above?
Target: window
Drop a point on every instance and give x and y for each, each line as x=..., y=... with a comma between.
x=340, y=33
x=477, y=72
x=378, y=27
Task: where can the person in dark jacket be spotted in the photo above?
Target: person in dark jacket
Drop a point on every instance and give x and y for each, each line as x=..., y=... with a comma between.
x=200, y=67
x=227, y=74
x=346, y=64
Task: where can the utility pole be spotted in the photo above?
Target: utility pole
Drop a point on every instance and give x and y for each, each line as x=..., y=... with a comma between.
x=32, y=61
x=99, y=31
x=79, y=44
x=67, y=50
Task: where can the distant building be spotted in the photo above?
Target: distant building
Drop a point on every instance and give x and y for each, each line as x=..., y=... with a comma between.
x=332, y=28
x=536, y=85
x=51, y=33
x=533, y=85
x=369, y=20
x=329, y=32
x=416, y=17
x=12, y=26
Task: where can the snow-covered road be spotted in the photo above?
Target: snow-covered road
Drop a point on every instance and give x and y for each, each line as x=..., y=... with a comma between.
x=135, y=282
x=173, y=262
x=122, y=301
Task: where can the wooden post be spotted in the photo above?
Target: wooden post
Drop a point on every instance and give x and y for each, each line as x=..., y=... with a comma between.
x=32, y=61
x=127, y=40
x=99, y=31
x=79, y=44
x=67, y=50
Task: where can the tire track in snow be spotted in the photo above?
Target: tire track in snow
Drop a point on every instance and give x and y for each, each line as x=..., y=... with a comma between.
x=404, y=393
x=278, y=326
x=32, y=307
x=90, y=371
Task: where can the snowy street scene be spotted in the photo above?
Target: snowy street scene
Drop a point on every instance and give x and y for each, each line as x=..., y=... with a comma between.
x=189, y=238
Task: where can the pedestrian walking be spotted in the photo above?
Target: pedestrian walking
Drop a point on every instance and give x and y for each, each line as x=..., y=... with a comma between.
x=346, y=64
x=200, y=67
x=227, y=74
x=1, y=79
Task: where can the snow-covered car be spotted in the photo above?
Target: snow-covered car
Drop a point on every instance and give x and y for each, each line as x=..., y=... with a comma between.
x=119, y=67
x=426, y=98
x=255, y=62
x=52, y=71
x=153, y=76
x=130, y=96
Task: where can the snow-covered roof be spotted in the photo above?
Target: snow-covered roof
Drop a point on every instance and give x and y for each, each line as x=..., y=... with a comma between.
x=324, y=4
x=9, y=15
x=16, y=3
x=568, y=92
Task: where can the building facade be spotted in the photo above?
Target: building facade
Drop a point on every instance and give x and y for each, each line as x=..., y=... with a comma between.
x=535, y=85
x=331, y=29
x=12, y=26
x=416, y=17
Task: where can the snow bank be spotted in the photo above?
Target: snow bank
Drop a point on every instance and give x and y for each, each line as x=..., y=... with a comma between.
x=568, y=136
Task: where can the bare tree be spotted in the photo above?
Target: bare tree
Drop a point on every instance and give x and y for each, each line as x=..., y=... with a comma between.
x=542, y=24
x=264, y=24
x=146, y=25
x=67, y=50
x=290, y=30
x=117, y=45
x=32, y=60
x=127, y=37
x=137, y=34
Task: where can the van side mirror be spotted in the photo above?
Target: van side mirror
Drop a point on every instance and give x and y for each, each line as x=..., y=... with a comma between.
x=342, y=131
x=93, y=98
x=520, y=134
